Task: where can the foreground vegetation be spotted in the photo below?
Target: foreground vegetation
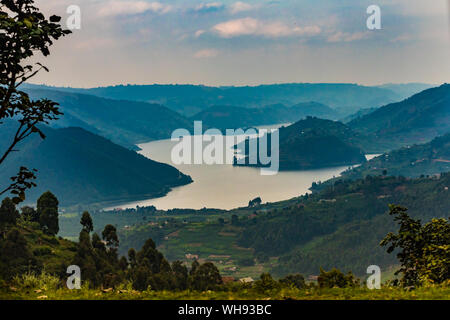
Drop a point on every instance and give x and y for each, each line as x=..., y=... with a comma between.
x=35, y=292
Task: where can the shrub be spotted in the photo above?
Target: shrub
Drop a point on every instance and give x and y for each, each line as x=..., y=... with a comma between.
x=42, y=251
x=266, y=283
x=336, y=279
x=43, y=281
x=294, y=280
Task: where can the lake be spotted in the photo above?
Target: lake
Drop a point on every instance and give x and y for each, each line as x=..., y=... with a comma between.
x=226, y=186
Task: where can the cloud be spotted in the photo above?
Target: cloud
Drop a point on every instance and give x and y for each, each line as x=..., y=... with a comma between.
x=346, y=37
x=210, y=7
x=206, y=53
x=240, y=7
x=198, y=33
x=251, y=26
x=120, y=7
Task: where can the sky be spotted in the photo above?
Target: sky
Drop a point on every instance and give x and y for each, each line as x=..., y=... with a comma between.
x=249, y=42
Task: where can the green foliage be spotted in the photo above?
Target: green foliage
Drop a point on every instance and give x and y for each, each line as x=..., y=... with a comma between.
x=335, y=278
x=109, y=235
x=342, y=225
x=315, y=143
x=24, y=31
x=47, y=210
x=294, y=280
x=15, y=255
x=86, y=222
x=266, y=284
x=424, y=250
x=205, y=277
x=8, y=214
x=43, y=281
x=29, y=214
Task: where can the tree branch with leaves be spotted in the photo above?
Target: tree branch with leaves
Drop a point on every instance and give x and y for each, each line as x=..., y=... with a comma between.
x=24, y=32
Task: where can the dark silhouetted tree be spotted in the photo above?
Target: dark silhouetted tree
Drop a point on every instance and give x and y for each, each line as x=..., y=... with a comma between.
x=8, y=214
x=205, y=277
x=30, y=214
x=47, y=209
x=24, y=31
x=86, y=222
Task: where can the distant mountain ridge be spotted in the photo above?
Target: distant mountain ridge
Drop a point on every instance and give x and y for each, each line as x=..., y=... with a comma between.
x=230, y=117
x=191, y=99
x=80, y=167
x=123, y=122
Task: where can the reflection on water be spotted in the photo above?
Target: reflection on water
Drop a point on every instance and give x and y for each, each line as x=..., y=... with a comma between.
x=225, y=186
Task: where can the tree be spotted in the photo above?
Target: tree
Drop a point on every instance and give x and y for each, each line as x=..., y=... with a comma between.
x=295, y=280
x=205, y=277
x=181, y=275
x=424, y=251
x=8, y=214
x=255, y=202
x=24, y=31
x=109, y=235
x=336, y=279
x=30, y=214
x=86, y=222
x=266, y=283
x=15, y=256
x=47, y=210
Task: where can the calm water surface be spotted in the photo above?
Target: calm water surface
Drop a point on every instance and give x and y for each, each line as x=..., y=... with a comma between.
x=226, y=186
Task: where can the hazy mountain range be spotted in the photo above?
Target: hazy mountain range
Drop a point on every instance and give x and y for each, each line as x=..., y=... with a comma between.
x=82, y=167
x=191, y=99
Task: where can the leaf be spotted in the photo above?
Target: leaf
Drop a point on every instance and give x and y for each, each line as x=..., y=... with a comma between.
x=28, y=23
x=55, y=19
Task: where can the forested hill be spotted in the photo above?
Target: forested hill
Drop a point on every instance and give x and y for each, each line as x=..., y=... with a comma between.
x=230, y=117
x=417, y=119
x=81, y=167
x=343, y=225
x=191, y=99
x=317, y=143
x=422, y=159
x=123, y=122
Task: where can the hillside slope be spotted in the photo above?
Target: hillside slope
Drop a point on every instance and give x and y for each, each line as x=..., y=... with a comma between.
x=81, y=167
x=123, y=122
x=417, y=119
x=422, y=159
x=316, y=143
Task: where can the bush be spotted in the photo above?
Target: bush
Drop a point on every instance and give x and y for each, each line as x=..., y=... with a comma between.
x=294, y=280
x=42, y=251
x=44, y=281
x=336, y=279
x=266, y=283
